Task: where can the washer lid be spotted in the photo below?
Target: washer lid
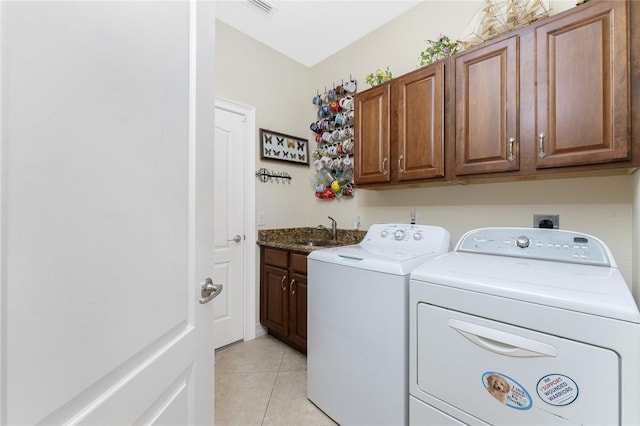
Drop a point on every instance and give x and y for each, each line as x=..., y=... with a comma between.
x=595, y=290
x=386, y=260
x=390, y=248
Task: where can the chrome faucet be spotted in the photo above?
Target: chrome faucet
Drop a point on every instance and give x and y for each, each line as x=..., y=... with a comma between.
x=334, y=229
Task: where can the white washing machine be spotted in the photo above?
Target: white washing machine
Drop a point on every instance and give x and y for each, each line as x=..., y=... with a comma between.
x=357, y=323
x=522, y=326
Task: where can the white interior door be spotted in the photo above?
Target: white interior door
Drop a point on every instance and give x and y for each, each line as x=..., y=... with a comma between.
x=229, y=216
x=106, y=200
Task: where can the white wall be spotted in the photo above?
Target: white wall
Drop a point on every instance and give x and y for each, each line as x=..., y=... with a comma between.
x=601, y=206
x=278, y=87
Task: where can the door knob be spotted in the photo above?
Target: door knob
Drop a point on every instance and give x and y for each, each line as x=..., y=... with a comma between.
x=209, y=290
x=236, y=238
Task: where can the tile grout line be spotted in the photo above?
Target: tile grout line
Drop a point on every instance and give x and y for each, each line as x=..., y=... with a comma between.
x=266, y=410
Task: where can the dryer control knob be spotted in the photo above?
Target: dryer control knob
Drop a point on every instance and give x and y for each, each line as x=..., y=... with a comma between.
x=384, y=234
x=399, y=235
x=417, y=236
x=522, y=242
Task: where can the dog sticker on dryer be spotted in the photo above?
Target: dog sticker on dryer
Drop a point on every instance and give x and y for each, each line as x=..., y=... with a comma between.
x=506, y=390
x=557, y=389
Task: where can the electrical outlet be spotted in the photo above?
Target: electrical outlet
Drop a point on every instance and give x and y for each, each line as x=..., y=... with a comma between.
x=261, y=219
x=546, y=221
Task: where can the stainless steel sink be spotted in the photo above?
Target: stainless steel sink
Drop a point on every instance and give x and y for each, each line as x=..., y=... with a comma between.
x=317, y=243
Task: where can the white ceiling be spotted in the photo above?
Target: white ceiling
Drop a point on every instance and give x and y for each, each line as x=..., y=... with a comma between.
x=309, y=31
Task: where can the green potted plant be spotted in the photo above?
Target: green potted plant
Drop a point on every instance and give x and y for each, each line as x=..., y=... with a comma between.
x=438, y=49
x=379, y=77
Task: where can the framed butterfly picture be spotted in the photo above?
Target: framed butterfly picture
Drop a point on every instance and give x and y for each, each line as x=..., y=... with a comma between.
x=278, y=146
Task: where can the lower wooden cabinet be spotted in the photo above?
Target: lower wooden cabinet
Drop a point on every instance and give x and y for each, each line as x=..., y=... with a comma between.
x=283, y=295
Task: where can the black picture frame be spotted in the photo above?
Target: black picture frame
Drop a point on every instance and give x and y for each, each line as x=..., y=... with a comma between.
x=281, y=147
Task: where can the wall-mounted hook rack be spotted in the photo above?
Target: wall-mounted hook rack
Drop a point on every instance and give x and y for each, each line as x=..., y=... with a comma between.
x=265, y=175
x=334, y=135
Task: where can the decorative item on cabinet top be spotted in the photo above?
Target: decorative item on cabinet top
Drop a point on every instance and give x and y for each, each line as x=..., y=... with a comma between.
x=496, y=17
x=278, y=146
x=439, y=49
x=333, y=157
x=380, y=76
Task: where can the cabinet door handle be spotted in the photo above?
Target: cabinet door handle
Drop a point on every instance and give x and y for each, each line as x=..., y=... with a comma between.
x=511, y=156
x=541, y=153
x=291, y=287
x=384, y=164
x=400, y=169
x=284, y=287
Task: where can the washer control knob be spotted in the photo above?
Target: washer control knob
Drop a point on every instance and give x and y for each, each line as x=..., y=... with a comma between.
x=417, y=236
x=522, y=242
x=384, y=234
x=399, y=234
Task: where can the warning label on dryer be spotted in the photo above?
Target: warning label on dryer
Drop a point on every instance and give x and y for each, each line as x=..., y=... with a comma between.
x=557, y=389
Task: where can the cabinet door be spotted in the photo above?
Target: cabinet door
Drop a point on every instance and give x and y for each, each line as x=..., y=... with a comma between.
x=418, y=100
x=487, y=101
x=372, y=135
x=298, y=310
x=582, y=87
x=274, y=299
x=298, y=300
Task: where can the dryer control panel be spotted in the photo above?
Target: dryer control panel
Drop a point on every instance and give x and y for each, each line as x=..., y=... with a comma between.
x=535, y=243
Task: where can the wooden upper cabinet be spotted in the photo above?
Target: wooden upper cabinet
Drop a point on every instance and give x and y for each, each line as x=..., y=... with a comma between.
x=582, y=76
x=417, y=104
x=400, y=128
x=554, y=96
x=487, y=106
x=372, y=142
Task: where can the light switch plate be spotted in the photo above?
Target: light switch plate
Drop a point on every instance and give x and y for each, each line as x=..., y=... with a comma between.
x=261, y=219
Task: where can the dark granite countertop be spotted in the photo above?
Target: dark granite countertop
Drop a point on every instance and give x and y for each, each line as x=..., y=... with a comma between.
x=288, y=238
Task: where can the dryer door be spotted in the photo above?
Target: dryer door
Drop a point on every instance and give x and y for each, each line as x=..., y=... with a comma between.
x=506, y=375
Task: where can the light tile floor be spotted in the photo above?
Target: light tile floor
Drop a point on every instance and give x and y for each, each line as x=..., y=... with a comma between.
x=263, y=382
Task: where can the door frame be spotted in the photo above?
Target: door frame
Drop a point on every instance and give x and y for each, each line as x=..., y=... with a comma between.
x=249, y=187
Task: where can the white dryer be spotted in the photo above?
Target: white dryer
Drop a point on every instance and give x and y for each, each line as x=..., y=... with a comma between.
x=521, y=326
x=358, y=323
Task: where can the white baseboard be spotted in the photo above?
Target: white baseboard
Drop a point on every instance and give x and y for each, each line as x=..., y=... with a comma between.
x=260, y=330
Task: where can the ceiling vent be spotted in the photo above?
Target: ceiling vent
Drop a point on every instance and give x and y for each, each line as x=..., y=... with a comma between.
x=262, y=6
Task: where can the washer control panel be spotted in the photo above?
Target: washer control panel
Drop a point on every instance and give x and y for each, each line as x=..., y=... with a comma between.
x=418, y=237
x=535, y=243
x=399, y=232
